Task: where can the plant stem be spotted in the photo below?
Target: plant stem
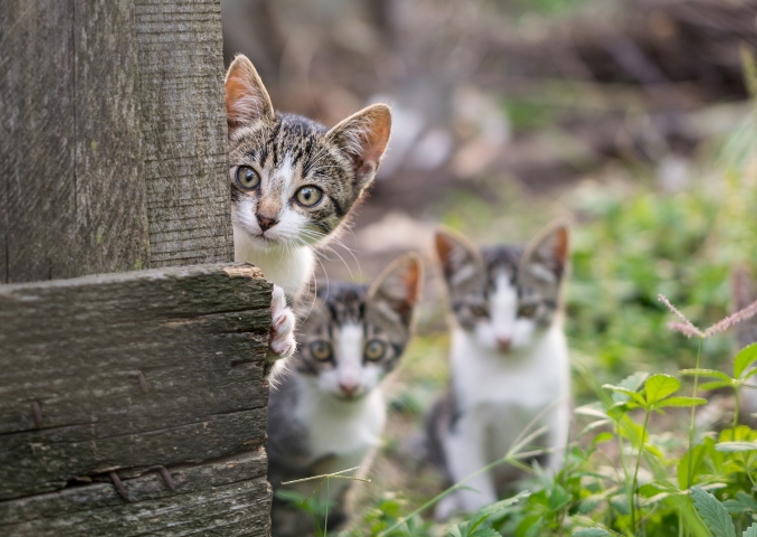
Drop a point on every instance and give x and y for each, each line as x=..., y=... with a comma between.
x=690, y=465
x=736, y=409
x=634, y=483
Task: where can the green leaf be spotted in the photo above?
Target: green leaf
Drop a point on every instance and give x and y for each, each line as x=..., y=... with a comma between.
x=747, y=500
x=751, y=531
x=592, y=532
x=486, y=532
x=706, y=373
x=682, y=401
x=714, y=385
x=744, y=358
x=558, y=499
x=625, y=391
x=660, y=386
x=732, y=447
x=602, y=437
x=713, y=513
x=501, y=505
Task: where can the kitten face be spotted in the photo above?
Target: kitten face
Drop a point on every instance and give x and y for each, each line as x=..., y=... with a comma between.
x=350, y=336
x=504, y=295
x=292, y=180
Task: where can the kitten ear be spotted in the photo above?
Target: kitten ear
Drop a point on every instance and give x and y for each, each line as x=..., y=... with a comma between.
x=363, y=137
x=460, y=259
x=399, y=286
x=546, y=256
x=247, y=100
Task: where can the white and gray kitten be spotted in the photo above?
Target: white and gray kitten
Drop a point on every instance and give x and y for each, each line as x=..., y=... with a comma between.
x=328, y=412
x=293, y=183
x=509, y=361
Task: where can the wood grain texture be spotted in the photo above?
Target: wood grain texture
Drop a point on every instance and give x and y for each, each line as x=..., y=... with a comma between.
x=239, y=504
x=70, y=163
x=112, y=372
x=186, y=162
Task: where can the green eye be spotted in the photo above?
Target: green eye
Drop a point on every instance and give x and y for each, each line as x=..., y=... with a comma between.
x=527, y=310
x=375, y=350
x=309, y=196
x=247, y=178
x=320, y=350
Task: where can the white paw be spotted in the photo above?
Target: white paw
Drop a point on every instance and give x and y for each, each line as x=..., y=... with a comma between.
x=446, y=507
x=281, y=343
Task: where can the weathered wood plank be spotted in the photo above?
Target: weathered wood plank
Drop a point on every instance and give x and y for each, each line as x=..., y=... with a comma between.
x=127, y=370
x=180, y=51
x=238, y=505
x=70, y=162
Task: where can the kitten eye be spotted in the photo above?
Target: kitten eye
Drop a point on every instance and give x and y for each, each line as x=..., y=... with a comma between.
x=320, y=350
x=247, y=178
x=527, y=310
x=375, y=350
x=309, y=196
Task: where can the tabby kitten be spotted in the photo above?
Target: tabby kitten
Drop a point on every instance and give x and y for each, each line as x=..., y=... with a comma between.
x=328, y=412
x=293, y=182
x=509, y=361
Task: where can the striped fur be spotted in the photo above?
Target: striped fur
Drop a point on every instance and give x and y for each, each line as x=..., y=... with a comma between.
x=328, y=413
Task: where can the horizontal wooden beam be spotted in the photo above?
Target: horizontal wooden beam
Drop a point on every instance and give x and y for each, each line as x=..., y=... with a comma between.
x=224, y=498
x=106, y=373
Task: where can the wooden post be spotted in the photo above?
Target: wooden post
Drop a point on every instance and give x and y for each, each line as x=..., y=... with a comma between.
x=131, y=403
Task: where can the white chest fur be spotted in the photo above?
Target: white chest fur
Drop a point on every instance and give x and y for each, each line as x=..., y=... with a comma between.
x=509, y=390
x=287, y=267
x=530, y=377
x=345, y=429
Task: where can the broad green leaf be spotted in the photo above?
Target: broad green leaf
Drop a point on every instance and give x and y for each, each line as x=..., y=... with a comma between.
x=504, y=504
x=731, y=447
x=696, y=454
x=592, y=532
x=748, y=500
x=455, y=531
x=559, y=498
x=714, y=385
x=634, y=382
x=486, y=532
x=751, y=531
x=705, y=373
x=681, y=401
x=635, y=396
x=713, y=513
x=743, y=359
x=602, y=437
x=660, y=386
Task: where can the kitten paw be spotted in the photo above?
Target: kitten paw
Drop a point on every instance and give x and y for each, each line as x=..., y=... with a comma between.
x=281, y=343
x=446, y=507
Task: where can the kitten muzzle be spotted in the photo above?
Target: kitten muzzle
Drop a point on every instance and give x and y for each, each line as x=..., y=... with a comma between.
x=266, y=222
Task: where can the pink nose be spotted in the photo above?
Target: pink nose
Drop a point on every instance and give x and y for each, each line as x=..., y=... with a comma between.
x=504, y=343
x=348, y=388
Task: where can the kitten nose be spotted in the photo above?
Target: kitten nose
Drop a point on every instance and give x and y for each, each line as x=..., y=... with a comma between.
x=265, y=222
x=503, y=343
x=348, y=388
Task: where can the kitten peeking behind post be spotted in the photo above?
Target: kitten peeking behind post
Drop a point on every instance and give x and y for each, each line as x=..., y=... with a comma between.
x=293, y=182
x=328, y=412
x=509, y=362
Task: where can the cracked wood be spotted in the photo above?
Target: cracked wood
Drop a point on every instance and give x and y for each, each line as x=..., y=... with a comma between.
x=103, y=373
